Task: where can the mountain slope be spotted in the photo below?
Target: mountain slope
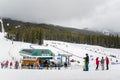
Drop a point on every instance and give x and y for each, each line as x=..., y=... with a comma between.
x=14, y=23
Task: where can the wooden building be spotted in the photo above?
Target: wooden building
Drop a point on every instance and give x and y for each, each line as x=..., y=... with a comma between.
x=35, y=56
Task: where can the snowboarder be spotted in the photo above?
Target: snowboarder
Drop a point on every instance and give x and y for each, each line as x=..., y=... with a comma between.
x=86, y=62
x=102, y=63
x=107, y=63
x=97, y=63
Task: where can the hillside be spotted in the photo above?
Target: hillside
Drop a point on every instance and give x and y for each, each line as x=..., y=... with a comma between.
x=14, y=23
x=36, y=33
x=73, y=72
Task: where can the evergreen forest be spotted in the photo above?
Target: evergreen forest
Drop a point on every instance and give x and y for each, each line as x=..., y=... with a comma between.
x=36, y=33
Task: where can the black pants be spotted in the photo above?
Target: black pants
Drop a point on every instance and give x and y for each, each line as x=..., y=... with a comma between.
x=97, y=67
x=107, y=67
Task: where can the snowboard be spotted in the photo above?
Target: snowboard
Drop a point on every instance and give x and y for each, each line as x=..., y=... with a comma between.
x=84, y=65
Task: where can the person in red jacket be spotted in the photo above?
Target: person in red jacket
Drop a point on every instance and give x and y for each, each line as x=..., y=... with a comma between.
x=11, y=64
x=97, y=63
x=107, y=63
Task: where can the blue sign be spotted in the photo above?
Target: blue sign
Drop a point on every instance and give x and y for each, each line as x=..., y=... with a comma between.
x=59, y=58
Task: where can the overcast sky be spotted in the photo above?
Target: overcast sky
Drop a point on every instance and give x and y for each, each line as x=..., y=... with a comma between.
x=96, y=14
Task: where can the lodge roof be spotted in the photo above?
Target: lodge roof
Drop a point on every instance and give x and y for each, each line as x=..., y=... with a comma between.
x=37, y=52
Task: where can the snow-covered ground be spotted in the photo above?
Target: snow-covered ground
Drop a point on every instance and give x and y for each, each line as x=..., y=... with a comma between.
x=8, y=51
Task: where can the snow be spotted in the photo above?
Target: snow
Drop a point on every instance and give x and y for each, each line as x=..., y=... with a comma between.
x=58, y=75
x=75, y=72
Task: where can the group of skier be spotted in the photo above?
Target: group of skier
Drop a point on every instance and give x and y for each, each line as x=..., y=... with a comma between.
x=102, y=61
x=98, y=62
x=10, y=64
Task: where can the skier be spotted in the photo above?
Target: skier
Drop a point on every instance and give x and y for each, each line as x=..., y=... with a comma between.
x=41, y=65
x=59, y=65
x=2, y=65
x=6, y=64
x=16, y=64
x=102, y=63
x=107, y=63
x=11, y=64
x=97, y=63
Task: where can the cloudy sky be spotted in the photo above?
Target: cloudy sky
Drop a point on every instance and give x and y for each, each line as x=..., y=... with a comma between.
x=93, y=14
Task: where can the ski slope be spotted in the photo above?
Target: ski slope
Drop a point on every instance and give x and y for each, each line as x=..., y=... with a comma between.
x=8, y=51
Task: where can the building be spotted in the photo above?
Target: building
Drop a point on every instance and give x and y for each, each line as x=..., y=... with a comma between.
x=35, y=56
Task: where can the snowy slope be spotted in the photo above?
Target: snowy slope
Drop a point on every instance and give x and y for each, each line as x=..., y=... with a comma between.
x=78, y=51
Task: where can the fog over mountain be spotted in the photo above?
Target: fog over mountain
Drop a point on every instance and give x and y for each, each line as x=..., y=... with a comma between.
x=93, y=14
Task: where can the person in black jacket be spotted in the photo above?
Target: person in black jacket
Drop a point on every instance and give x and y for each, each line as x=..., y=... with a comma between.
x=102, y=63
x=87, y=62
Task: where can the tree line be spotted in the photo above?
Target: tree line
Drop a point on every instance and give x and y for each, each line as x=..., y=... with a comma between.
x=38, y=34
x=111, y=41
x=33, y=33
